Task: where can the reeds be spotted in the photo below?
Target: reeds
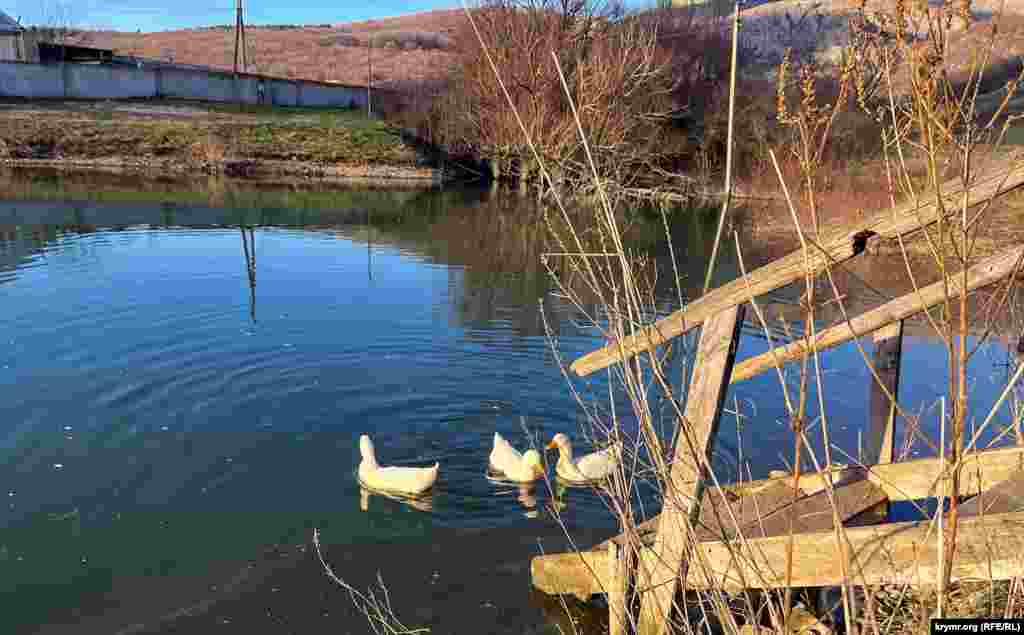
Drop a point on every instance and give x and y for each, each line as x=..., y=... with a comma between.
x=929, y=133
x=934, y=125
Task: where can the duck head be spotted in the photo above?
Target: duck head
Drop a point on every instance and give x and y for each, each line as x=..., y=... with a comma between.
x=563, y=444
x=366, y=449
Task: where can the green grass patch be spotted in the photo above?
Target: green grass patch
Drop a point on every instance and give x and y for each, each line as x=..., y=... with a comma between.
x=321, y=135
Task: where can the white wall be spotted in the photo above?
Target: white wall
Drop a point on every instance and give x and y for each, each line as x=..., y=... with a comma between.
x=282, y=93
x=8, y=47
x=320, y=95
x=203, y=86
x=96, y=81
x=30, y=80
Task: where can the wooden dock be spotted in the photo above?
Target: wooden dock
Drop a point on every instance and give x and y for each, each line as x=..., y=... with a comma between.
x=741, y=536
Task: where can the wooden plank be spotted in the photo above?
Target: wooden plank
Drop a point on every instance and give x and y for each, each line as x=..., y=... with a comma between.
x=815, y=513
x=618, y=586
x=746, y=509
x=694, y=445
x=913, y=479
x=991, y=470
x=715, y=521
x=1005, y=497
x=581, y=574
x=809, y=483
x=767, y=512
x=984, y=273
x=989, y=547
x=891, y=553
x=882, y=410
x=834, y=248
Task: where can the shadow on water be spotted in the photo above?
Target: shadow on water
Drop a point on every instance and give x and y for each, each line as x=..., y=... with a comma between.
x=198, y=446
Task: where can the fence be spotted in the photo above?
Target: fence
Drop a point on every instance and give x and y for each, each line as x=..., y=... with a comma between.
x=95, y=81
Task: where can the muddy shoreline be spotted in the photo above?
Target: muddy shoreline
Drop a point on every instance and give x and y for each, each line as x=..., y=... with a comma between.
x=253, y=170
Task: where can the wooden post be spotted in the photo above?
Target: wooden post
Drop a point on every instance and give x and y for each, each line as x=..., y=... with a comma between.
x=980, y=275
x=618, y=589
x=711, y=368
x=841, y=244
x=888, y=351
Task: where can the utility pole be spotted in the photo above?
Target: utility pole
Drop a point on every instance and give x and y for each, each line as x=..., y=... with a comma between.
x=369, y=74
x=239, y=36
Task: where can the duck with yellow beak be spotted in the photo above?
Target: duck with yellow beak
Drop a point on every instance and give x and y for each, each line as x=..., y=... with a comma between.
x=587, y=469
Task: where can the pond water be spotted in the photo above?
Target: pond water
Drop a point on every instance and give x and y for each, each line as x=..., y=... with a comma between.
x=182, y=400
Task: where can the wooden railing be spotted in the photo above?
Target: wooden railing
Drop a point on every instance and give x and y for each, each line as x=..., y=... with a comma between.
x=889, y=552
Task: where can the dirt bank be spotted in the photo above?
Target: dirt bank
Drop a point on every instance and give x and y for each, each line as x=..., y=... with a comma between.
x=178, y=137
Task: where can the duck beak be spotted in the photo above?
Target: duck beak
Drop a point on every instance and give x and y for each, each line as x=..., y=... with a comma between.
x=552, y=445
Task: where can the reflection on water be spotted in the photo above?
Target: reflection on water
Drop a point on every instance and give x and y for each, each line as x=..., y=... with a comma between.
x=249, y=248
x=561, y=490
x=423, y=503
x=525, y=493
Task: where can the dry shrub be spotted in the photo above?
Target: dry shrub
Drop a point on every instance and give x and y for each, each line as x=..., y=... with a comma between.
x=631, y=78
x=210, y=150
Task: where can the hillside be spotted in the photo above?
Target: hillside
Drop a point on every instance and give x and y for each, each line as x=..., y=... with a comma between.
x=420, y=47
x=412, y=48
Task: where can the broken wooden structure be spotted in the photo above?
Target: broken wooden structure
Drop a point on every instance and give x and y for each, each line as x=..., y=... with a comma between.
x=763, y=520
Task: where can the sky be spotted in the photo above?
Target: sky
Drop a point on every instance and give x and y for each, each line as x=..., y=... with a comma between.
x=157, y=15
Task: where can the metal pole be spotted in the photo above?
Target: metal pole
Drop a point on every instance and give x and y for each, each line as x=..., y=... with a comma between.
x=728, y=148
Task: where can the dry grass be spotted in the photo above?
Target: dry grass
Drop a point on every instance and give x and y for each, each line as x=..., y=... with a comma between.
x=924, y=137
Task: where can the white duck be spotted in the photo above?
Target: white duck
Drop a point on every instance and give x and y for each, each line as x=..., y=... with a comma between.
x=410, y=481
x=521, y=468
x=586, y=469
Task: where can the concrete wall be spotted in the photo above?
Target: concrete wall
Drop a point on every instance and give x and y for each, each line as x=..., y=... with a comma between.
x=282, y=93
x=192, y=84
x=30, y=80
x=9, y=47
x=95, y=81
x=344, y=96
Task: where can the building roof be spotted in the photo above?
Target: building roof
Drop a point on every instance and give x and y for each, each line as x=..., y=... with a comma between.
x=8, y=25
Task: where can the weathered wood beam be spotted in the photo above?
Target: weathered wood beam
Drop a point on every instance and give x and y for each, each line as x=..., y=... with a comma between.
x=766, y=511
x=890, y=553
x=833, y=248
x=1005, y=497
x=914, y=479
x=815, y=513
x=715, y=519
x=882, y=410
x=982, y=274
x=905, y=480
x=989, y=547
x=620, y=572
x=694, y=445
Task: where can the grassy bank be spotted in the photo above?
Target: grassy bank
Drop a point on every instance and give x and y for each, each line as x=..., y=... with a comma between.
x=247, y=141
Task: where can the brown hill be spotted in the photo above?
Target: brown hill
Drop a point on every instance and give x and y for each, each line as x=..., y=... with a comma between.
x=406, y=49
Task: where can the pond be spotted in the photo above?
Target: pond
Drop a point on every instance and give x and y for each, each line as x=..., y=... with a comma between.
x=182, y=400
